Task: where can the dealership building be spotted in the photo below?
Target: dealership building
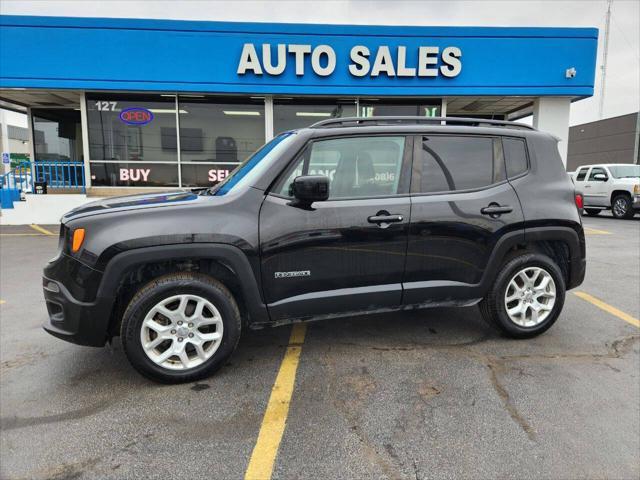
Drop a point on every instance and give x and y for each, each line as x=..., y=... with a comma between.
x=165, y=103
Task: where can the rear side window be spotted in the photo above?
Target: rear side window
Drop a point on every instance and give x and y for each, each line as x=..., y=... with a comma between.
x=357, y=167
x=582, y=174
x=515, y=156
x=448, y=163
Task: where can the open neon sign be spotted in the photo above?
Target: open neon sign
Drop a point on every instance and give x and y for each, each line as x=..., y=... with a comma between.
x=136, y=116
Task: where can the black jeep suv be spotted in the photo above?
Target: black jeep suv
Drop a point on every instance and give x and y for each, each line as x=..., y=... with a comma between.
x=345, y=217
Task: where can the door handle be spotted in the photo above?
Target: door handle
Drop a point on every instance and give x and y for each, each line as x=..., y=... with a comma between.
x=494, y=210
x=387, y=218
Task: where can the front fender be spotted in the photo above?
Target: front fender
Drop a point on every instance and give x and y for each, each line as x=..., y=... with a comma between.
x=228, y=255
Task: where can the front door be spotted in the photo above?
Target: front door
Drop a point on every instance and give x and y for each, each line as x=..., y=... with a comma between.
x=596, y=191
x=461, y=205
x=340, y=255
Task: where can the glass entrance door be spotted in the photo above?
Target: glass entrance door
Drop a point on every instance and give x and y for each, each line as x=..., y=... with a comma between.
x=58, y=148
x=57, y=134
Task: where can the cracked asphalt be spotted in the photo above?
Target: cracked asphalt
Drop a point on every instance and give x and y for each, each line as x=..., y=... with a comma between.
x=416, y=395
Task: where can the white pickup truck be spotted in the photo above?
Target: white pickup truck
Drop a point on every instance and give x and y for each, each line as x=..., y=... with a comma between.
x=609, y=186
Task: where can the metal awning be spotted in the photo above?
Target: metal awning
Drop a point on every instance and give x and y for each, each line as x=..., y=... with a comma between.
x=511, y=107
x=18, y=99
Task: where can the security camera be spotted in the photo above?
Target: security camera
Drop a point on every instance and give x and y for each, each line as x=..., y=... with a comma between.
x=570, y=72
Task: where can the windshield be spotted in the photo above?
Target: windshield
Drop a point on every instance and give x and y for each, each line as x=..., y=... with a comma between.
x=625, y=171
x=253, y=166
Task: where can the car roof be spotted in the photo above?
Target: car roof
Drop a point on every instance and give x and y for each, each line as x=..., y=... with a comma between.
x=607, y=165
x=348, y=126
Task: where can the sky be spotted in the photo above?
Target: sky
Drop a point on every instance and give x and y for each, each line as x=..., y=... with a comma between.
x=622, y=94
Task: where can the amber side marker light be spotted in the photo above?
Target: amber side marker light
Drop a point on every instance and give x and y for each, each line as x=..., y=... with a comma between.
x=78, y=238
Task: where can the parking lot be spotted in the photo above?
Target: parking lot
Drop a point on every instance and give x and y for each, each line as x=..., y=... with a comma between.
x=416, y=395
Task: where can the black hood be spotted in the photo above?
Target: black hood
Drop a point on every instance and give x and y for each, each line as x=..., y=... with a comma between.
x=131, y=202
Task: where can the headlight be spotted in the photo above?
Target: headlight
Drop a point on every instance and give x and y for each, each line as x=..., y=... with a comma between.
x=636, y=189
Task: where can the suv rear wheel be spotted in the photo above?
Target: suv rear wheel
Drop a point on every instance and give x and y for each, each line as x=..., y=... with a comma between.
x=621, y=207
x=180, y=327
x=527, y=296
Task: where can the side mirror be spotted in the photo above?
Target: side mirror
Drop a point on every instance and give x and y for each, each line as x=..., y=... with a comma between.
x=309, y=188
x=600, y=177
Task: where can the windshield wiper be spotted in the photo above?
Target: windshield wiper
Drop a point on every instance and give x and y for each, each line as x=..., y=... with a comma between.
x=212, y=190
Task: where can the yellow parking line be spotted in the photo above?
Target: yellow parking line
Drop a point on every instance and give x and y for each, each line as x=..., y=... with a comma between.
x=595, y=231
x=38, y=228
x=21, y=234
x=275, y=416
x=609, y=309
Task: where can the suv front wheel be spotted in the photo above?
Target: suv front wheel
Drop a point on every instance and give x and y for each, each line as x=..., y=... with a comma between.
x=622, y=207
x=180, y=327
x=527, y=296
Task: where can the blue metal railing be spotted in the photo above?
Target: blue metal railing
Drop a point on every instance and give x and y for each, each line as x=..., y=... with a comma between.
x=60, y=174
x=57, y=174
x=13, y=182
x=18, y=178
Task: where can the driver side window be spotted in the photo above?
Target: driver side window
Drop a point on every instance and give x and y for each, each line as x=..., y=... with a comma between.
x=595, y=171
x=357, y=167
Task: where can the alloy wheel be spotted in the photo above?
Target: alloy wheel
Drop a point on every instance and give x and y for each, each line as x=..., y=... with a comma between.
x=530, y=297
x=620, y=207
x=181, y=332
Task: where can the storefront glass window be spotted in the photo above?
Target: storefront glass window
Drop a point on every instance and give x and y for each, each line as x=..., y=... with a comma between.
x=132, y=140
x=371, y=108
x=57, y=134
x=289, y=114
x=216, y=135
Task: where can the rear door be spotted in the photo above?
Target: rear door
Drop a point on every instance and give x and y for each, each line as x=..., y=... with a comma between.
x=340, y=255
x=462, y=204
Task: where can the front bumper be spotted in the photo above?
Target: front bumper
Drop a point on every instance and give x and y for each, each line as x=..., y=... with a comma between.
x=636, y=202
x=82, y=323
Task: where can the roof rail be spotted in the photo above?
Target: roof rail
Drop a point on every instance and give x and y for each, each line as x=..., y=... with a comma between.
x=364, y=121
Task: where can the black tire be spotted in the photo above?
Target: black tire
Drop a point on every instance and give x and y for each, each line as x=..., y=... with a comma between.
x=592, y=212
x=175, y=284
x=622, y=207
x=493, y=309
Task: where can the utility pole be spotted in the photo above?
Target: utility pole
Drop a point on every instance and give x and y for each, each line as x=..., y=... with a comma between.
x=636, y=147
x=605, y=55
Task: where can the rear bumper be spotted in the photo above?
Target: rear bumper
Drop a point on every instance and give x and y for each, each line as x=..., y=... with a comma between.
x=82, y=323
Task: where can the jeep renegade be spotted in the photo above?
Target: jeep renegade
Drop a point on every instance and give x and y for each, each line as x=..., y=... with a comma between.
x=348, y=216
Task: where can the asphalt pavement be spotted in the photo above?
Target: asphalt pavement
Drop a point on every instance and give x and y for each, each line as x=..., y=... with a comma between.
x=416, y=395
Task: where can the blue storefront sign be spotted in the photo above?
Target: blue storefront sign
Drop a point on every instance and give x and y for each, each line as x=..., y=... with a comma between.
x=260, y=58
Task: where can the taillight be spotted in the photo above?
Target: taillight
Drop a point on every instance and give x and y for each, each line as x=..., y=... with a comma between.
x=579, y=201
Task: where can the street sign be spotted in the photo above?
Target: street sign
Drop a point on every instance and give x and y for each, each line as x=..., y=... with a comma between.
x=40, y=188
x=6, y=159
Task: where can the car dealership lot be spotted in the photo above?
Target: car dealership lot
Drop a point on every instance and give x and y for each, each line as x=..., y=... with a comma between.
x=424, y=394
